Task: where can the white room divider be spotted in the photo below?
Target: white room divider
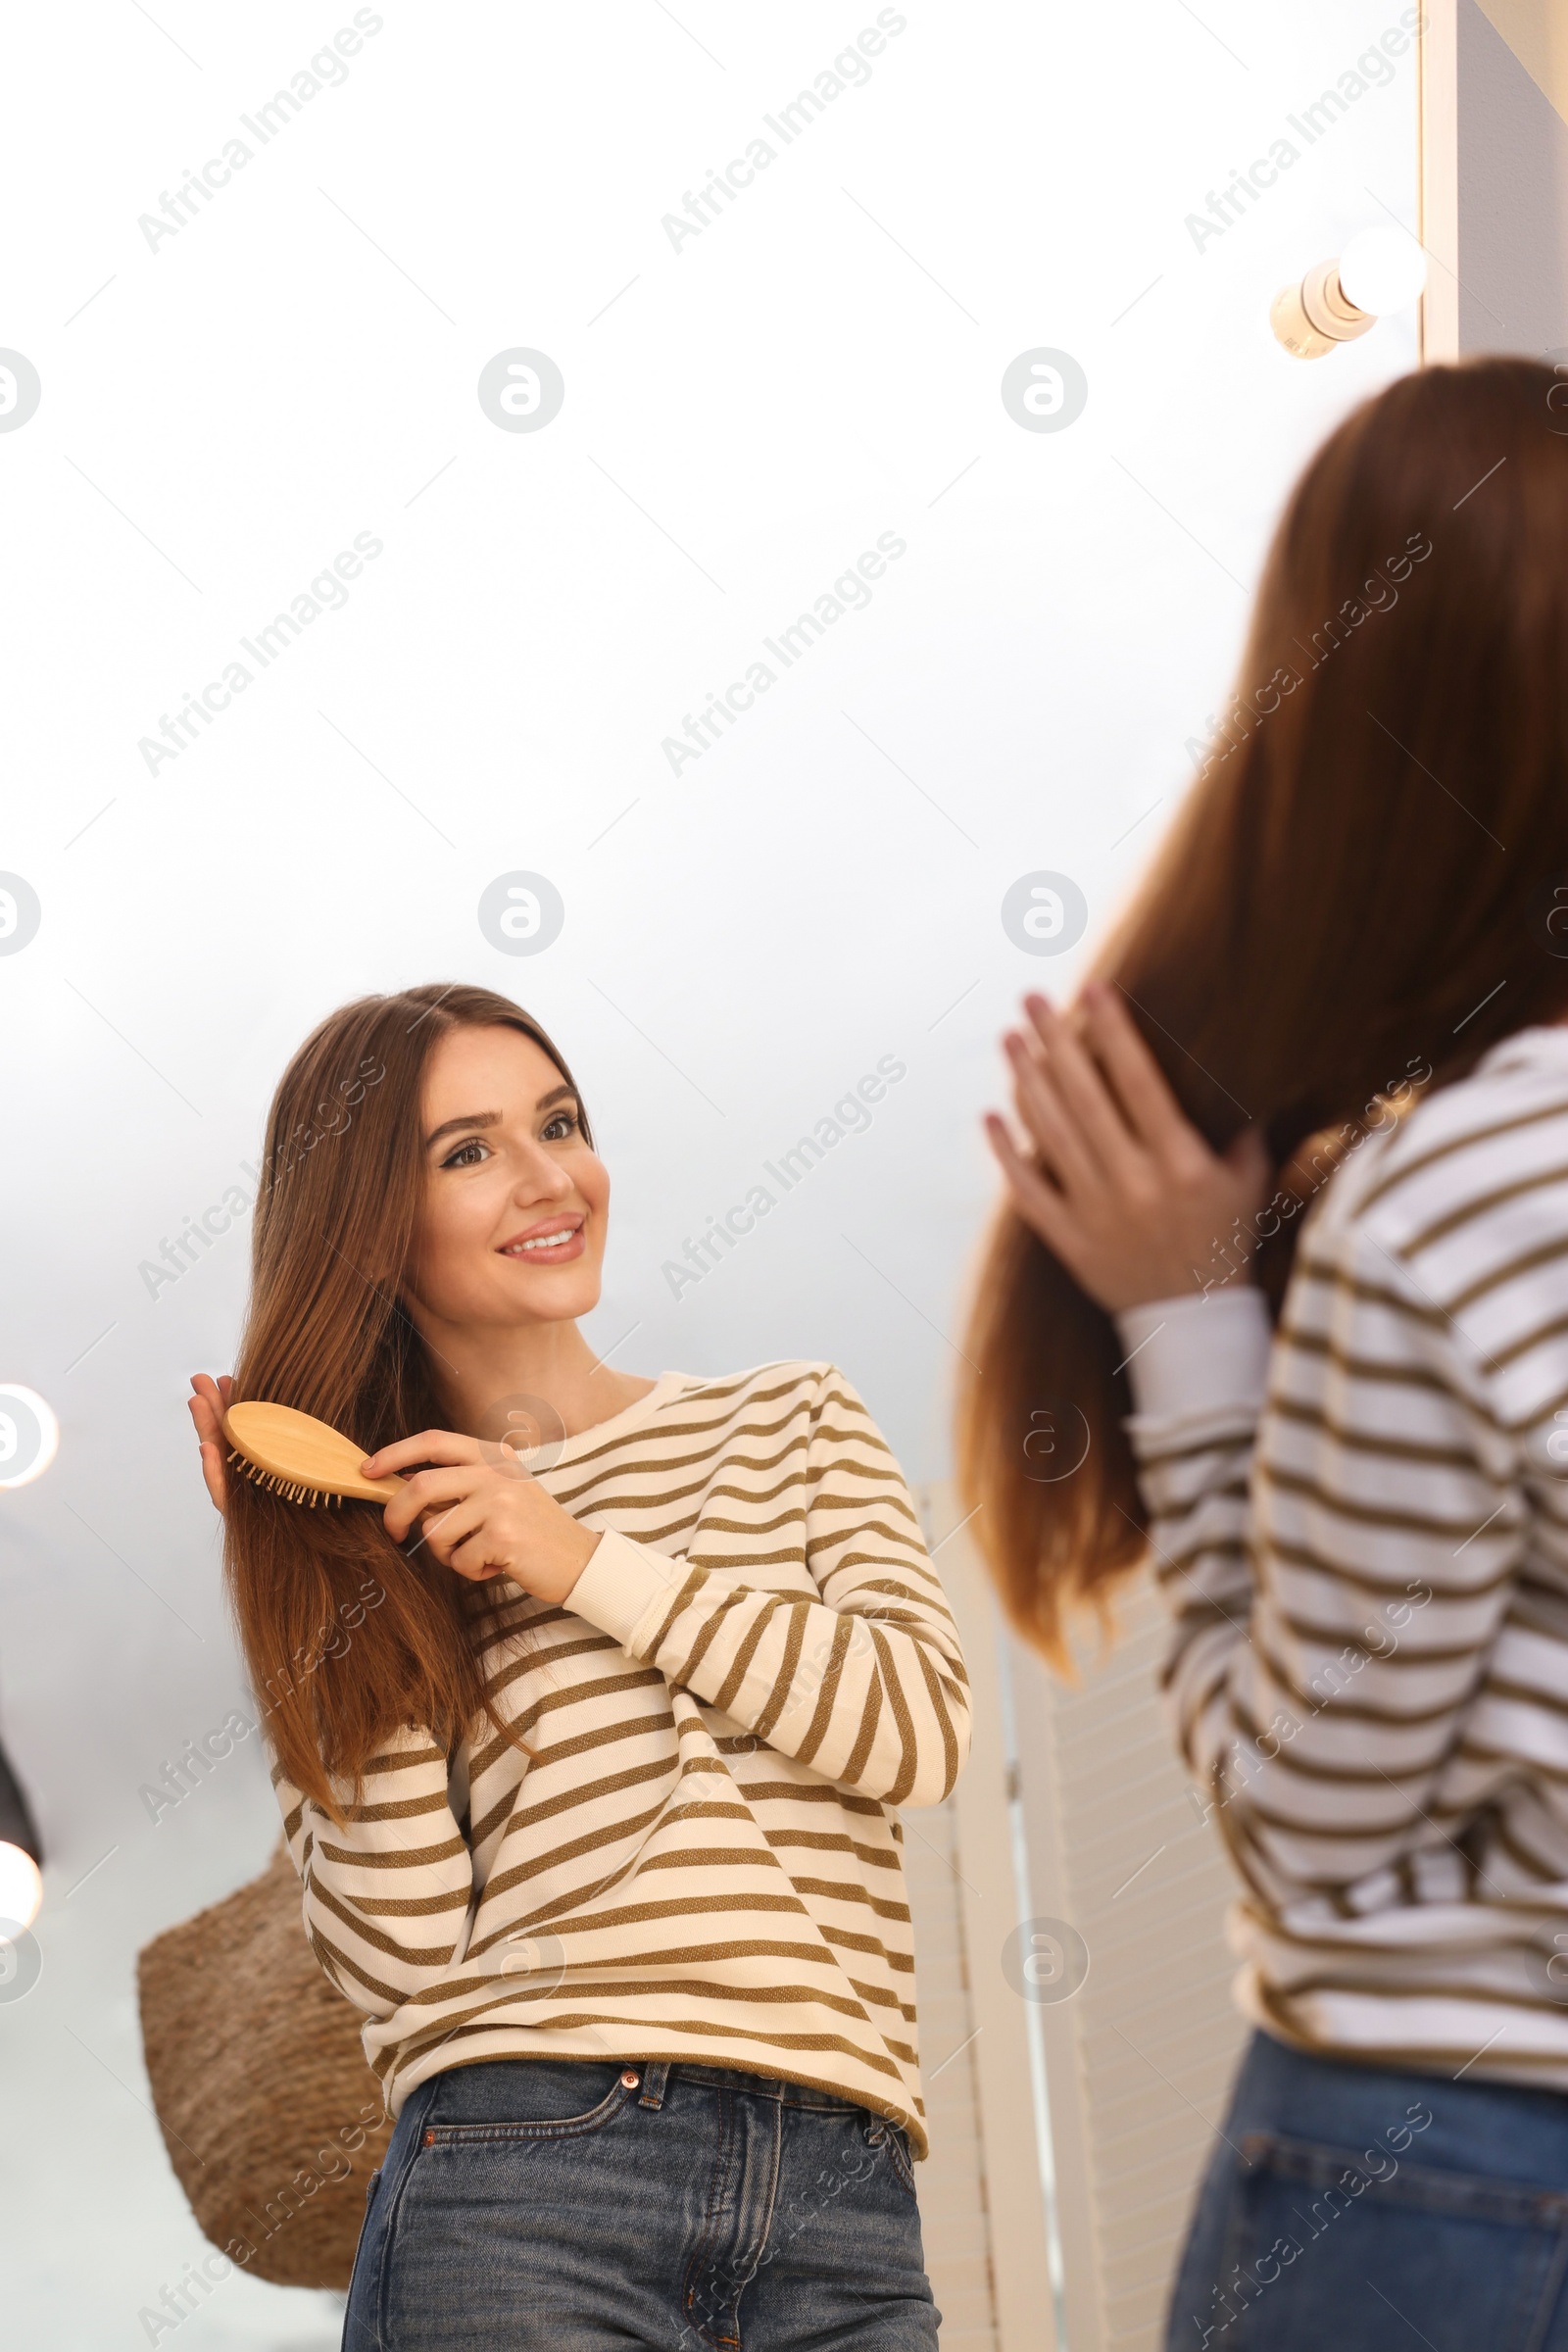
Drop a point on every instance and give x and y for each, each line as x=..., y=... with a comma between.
x=1070, y=2128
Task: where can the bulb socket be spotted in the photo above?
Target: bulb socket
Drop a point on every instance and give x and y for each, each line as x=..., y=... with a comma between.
x=1312, y=318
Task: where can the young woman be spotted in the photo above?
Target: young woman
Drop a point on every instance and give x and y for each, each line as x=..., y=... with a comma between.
x=588, y=1746
x=1324, y=1058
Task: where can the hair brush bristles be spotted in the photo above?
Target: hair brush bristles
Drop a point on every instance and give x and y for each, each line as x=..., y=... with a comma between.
x=290, y=1491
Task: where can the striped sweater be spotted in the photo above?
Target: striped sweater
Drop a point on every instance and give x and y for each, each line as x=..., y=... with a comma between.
x=1363, y=1531
x=700, y=1857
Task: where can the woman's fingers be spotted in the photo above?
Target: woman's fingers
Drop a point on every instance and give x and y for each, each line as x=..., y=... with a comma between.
x=465, y=1538
x=1152, y=1108
x=1046, y=1119
x=446, y=1525
x=1126, y=1191
x=470, y=1556
x=1038, y=1201
x=215, y=1475
x=1179, y=1151
x=430, y=1445
x=1098, y=1115
x=207, y=1403
x=1247, y=1160
x=1247, y=1154
x=430, y=1491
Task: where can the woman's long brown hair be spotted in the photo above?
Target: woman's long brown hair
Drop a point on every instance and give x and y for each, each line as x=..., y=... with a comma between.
x=347, y=1638
x=1368, y=884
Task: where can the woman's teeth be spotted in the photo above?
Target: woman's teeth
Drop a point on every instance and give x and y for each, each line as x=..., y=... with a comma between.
x=549, y=1241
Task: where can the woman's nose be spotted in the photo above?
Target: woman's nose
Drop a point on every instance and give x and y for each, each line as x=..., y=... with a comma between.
x=541, y=1179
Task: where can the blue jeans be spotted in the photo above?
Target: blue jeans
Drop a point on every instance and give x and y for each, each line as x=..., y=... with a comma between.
x=576, y=2206
x=1354, y=2209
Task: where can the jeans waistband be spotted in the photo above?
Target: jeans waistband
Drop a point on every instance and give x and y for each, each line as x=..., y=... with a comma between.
x=763, y=2086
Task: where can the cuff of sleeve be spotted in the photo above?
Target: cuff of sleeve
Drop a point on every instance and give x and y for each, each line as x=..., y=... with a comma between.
x=1195, y=1355
x=622, y=1584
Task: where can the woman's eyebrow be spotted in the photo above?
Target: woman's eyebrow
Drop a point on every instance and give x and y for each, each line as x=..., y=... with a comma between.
x=469, y=1118
x=492, y=1118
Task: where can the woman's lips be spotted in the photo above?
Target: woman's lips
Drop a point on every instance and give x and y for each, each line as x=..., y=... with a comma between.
x=551, y=1243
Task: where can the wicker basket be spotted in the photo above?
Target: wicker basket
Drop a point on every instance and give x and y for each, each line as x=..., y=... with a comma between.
x=271, y=2117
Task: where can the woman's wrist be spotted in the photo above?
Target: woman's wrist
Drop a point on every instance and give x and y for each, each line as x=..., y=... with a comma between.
x=571, y=1555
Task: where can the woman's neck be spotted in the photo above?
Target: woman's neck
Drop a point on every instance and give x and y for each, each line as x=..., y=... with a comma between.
x=476, y=1368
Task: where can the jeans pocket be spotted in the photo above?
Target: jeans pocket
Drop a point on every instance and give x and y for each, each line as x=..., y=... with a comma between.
x=894, y=2142
x=569, y=2127
x=900, y=2158
x=1325, y=2249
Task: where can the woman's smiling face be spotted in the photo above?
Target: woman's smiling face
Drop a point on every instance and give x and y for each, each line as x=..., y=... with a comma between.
x=511, y=1227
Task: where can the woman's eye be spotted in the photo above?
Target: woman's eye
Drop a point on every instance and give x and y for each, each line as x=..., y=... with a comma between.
x=466, y=1156
x=564, y=1124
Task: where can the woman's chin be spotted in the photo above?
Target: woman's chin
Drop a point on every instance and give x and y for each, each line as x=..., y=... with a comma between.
x=511, y=1297
x=552, y=1294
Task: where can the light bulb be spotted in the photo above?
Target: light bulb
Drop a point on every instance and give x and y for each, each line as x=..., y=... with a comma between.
x=21, y=1887
x=1383, y=270
x=29, y=1434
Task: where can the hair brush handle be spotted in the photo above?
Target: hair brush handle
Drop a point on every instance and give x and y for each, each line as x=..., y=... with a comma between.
x=299, y=1456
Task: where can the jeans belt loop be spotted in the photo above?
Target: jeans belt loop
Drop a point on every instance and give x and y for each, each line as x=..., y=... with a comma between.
x=655, y=2077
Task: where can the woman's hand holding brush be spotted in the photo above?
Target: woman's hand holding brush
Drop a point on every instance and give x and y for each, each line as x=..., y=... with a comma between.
x=482, y=1517
x=482, y=1520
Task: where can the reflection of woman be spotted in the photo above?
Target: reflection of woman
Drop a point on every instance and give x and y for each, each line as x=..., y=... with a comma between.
x=596, y=1770
x=1361, y=1521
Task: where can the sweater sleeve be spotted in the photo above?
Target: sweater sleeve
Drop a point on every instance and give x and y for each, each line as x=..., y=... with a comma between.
x=387, y=1900
x=1197, y=1369
x=865, y=1685
x=1316, y=1709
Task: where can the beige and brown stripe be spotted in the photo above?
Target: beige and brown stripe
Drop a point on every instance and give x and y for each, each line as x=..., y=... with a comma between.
x=701, y=1856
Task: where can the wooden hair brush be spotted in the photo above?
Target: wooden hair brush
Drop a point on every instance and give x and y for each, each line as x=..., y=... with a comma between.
x=301, y=1458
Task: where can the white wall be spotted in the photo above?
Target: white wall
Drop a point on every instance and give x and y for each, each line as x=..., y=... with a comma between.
x=222, y=412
